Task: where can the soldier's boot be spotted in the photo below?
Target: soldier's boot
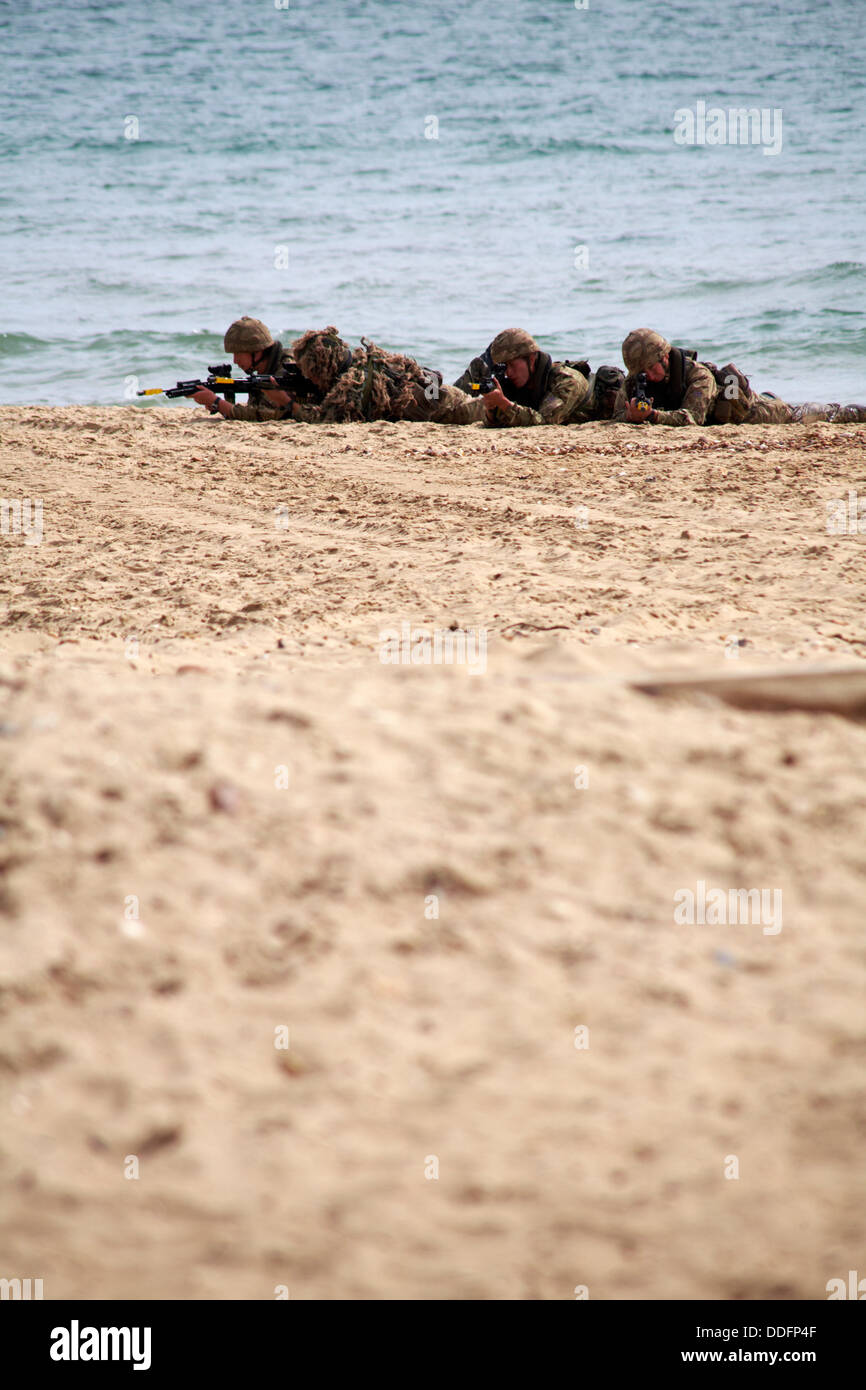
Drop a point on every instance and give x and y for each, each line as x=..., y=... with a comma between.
x=811, y=412
x=807, y=412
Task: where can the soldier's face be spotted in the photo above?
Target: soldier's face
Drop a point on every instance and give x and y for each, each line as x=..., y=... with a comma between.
x=321, y=383
x=520, y=370
x=657, y=371
x=244, y=360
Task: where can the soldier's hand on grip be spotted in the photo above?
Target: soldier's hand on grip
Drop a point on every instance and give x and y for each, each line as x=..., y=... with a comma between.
x=496, y=400
x=637, y=412
x=277, y=397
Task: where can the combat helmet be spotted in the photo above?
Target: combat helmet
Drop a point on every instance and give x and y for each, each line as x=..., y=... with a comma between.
x=643, y=348
x=512, y=343
x=247, y=335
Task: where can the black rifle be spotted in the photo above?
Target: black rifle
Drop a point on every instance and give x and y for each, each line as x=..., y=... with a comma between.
x=644, y=402
x=290, y=379
x=498, y=378
x=220, y=379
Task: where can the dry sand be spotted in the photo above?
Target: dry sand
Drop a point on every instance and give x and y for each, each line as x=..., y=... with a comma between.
x=197, y=728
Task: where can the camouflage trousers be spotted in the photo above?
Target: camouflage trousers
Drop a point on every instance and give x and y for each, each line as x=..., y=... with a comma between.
x=737, y=404
x=743, y=406
x=444, y=405
x=808, y=413
x=766, y=410
x=750, y=408
x=769, y=410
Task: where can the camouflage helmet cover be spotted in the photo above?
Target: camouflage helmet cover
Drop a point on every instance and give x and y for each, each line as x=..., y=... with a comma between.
x=322, y=353
x=247, y=335
x=512, y=343
x=643, y=348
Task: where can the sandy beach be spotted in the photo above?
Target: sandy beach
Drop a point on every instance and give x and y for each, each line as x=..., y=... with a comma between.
x=362, y=980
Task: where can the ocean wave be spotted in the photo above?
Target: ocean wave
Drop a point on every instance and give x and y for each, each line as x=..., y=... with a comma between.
x=296, y=129
x=17, y=344
x=141, y=339
x=836, y=272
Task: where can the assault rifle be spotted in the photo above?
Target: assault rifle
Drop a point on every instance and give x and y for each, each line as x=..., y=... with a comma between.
x=498, y=377
x=220, y=379
x=644, y=402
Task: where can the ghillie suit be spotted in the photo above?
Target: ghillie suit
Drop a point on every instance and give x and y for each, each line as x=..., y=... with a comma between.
x=372, y=384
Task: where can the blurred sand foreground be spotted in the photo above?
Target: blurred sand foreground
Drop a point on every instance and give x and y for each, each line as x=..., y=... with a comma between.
x=223, y=816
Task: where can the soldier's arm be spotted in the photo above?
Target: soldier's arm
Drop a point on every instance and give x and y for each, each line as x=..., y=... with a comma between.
x=328, y=413
x=514, y=415
x=697, y=402
x=568, y=390
x=342, y=403
x=574, y=391
x=620, y=405
x=307, y=413
x=255, y=412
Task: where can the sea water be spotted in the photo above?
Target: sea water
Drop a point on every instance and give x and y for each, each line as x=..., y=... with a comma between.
x=426, y=174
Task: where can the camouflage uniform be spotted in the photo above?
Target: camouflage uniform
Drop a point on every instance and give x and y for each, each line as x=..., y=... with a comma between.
x=749, y=408
x=554, y=395
x=696, y=385
x=603, y=384
x=257, y=407
x=808, y=413
x=371, y=384
x=692, y=392
x=765, y=409
x=251, y=335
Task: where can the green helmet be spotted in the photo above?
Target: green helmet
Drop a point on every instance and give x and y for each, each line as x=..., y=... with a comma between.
x=247, y=335
x=512, y=343
x=643, y=348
